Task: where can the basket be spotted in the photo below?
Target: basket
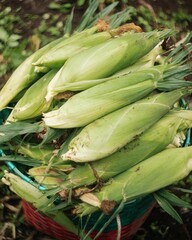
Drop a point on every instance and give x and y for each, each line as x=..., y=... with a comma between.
x=132, y=217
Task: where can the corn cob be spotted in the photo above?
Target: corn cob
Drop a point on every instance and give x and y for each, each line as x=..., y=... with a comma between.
x=23, y=76
x=55, y=58
x=105, y=97
x=179, y=57
x=106, y=135
x=93, y=64
x=112, y=95
x=154, y=140
x=155, y=55
x=33, y=103
x=50, y=177
x=145, y=62
x=41, y=153
x=156, y=172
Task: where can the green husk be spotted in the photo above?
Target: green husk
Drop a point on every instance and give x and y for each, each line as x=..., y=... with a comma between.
x=113, y=94
x=11, y=130
x=33, y=103
x=106, y=135
x=178, y=58
x=23, y=76
x=145, y=62
x=56, y=58
x=159, y=171
x=104, y=60
x=41, y=153
x=49, y=176
x=152, y=141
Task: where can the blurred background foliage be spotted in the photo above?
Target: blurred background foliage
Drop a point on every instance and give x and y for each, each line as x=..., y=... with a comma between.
x=26, y=25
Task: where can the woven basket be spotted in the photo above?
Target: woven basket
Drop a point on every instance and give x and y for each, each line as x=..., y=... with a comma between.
x=132, y=217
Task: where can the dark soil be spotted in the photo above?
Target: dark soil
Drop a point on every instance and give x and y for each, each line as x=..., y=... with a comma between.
x=159, y=225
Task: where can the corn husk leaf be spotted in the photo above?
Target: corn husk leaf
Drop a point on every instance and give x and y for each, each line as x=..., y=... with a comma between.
x=140, y=180
x=23, y=76
x=173, y=199
x=33, y=103
x=56, y=58
x=89, y=61
x=113, y=94
x=154, y=140
x=166, y=206
x=120, y=127
x=9, y=131
x=27, y=161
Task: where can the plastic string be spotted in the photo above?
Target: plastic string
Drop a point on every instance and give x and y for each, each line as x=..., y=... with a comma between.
x=16, y=171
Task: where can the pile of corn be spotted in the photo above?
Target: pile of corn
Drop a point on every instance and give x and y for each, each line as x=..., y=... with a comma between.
x=95, y=120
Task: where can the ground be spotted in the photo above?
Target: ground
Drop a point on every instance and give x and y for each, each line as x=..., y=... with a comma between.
x=28, y=20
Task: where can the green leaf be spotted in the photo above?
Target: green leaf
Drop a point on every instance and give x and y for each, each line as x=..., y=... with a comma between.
x=12, y=44
x=113, y=216
x=80, y=3
x=104, y=12
x=119, y=18
x=88, y=15
x=167, y=207
x=7, y=10
x=173, y=199
x=51, y=134
x=60, y=206
x=54, y=31
x=14, y=37
x=68, y=23
x=53, y=191
x=67, y=5
x=16, y=55
x=64, y=146
x=60, y=7
x=1, y=46
x=184, y=190
x=20, y=159
x=3, y=69
x=11, y=130
x=54, y=5
x=3, y=35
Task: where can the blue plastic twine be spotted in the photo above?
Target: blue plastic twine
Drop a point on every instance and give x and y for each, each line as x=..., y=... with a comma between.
x=16, y=171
